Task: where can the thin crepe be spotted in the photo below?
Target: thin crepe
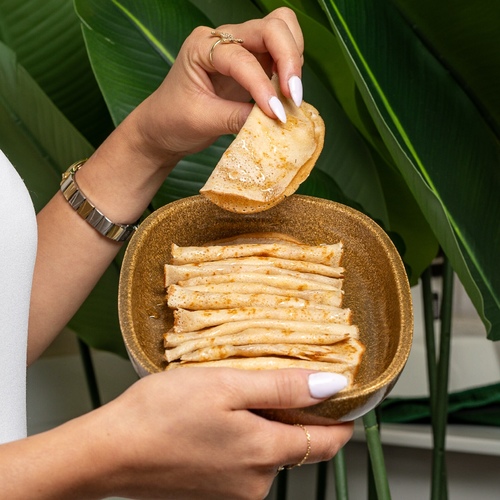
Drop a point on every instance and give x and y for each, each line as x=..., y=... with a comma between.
x=253, y=336
x=272, y=363
x=347, y=351
x=325, y=297
x=269, y=265
x=185, y=298
x=284, y=280
x=171, y=338
x=267, y=160
x=329, y=255
x=191, y=321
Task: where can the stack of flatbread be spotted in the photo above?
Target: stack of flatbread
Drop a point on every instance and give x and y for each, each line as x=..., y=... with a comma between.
x=268, y=160
x=260, y=302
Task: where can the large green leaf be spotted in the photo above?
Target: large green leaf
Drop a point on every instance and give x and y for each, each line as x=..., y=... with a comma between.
x=36, y=136
x=46, y=36
x=189, y=176
x=132, y=45
x=368, y=182
x=444, y=149
x=224, y=12
x=456, y=33
x=41, y=143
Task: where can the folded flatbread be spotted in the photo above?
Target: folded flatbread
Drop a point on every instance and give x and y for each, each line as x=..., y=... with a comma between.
x=267, y=160
x=172, y=339
x=254, y=336
x=273, y=363
x=325, y=297
x=329, y=255
x=286, y=280
x=187, y=298
x=191, y=321
x=346, y=351
x=269, y=265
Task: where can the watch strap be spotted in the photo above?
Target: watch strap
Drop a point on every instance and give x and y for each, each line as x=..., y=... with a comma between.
x=88, y=211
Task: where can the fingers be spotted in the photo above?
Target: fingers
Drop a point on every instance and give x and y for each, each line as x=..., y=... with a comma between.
x=281, y=443
x=286, y=388
x=310, y=444
x=277, y=35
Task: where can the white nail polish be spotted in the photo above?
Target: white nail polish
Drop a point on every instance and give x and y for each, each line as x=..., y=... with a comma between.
x=325, y=384
x=295, y=86
x=277, y=108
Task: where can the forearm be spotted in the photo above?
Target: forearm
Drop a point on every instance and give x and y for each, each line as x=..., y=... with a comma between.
x=71, y=461
x=121, y=181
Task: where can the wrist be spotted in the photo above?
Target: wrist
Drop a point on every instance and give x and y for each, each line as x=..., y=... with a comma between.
x=95, y=454
x=88, y=211
x=123, y=175
x=144, y=139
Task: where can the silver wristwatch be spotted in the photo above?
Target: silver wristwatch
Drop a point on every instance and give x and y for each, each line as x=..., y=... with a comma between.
x=87, y=211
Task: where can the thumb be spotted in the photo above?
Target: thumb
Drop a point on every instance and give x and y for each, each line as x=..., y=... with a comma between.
x=286, y=388
x=226, y=117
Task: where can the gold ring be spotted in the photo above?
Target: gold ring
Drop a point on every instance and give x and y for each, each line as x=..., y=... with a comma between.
x=223, y=38
x=306, y=456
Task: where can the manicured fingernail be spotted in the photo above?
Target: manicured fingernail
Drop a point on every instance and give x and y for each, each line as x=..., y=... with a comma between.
x=325, y=384
x=295, y=86
x=277, y=108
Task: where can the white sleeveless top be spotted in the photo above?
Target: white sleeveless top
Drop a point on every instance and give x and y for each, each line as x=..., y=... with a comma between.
x=18, y=241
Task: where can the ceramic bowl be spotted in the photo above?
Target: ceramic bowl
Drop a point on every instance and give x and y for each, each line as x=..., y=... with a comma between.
x=376, y=288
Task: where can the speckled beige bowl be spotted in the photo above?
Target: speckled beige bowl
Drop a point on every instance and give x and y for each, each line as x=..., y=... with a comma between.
x=376, y=288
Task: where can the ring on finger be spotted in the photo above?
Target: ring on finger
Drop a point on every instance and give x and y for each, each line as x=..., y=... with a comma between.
x=223, y=38
x=306, y=456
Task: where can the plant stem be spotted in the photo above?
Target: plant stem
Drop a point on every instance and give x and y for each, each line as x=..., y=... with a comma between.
x=376, y=455
x=282, y=485
x=90, y=375
x=371, y=488
x=430, y=339
x=439, y=480
x=341, y=488
x=321, y=478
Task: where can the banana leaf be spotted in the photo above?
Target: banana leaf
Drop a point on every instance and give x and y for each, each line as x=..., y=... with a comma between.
x=465, y=38
x=443, y=146
x=133, y=44
x=46, y=37
x=42, y=143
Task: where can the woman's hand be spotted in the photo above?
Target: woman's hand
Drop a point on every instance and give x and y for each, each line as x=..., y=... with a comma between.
x=189, y=433
x=185, y=434
x=199, y=101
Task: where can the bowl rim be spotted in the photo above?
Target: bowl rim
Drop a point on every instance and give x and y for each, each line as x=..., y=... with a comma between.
x=386, y=379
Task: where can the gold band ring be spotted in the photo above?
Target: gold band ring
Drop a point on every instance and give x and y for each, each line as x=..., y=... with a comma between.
x=223, y=38
x=306, y=456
